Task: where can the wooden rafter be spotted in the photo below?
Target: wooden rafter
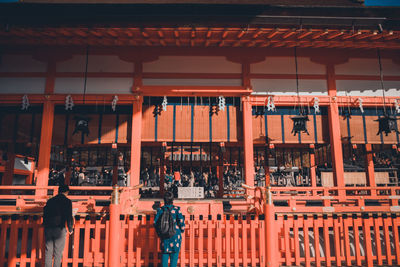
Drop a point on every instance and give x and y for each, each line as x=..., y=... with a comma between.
x=335, y=35
x=201, y=36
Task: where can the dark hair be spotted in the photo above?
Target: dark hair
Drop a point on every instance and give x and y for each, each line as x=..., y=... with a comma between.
x=168, y=198
x=63, y=188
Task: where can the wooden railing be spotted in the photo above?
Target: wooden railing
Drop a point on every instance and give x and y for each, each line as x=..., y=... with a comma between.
x=90, y=199
x=355, y=239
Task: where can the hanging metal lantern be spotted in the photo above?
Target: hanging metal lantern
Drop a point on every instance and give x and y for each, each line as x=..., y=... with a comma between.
x=259, y=112
x=214, y=109
x=346, y=112
x=387, y=124
x=81, y=125
x=300, y=124
x=157, y=110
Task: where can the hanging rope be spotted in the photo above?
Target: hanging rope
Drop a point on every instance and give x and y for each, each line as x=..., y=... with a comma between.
x=381, y=75
x=297, y=80
x=86, y=71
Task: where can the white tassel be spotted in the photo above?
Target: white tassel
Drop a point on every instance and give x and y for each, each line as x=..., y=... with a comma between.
x=271, y=104
x=397, y=105
x=221, y=103
x=69, y=102
x=114, y=103
x=316, y=105
x=164, y=104
x=25, y=102
x=360, y=101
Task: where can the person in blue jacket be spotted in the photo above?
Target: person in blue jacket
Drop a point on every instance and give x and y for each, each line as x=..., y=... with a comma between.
x=170, y=247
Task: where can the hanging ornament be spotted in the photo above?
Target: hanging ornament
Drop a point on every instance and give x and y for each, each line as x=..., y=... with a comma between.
x=157, y=110
x=360, y=101
x=387, y=124
x=397, y=105
x=299, y=121
x=259, y=112
x=69, y=102
x=221, y=103
x=300, y=124
x=114, y=103
x=271, y=104
x=81, y=125
x=25, y=102
x=164, y=103
x=316, y=105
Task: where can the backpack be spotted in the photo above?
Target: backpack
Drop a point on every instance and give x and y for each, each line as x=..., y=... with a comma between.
x=165, y=226
x=52, y=214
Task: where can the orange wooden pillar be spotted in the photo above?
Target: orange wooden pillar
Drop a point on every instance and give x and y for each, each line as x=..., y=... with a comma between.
x=45, y=147
x=369, y=166
x=114, y=258
x=334, y=130
x=271, y=232
x=136, y=141
x=248, y=142
x=313, y=167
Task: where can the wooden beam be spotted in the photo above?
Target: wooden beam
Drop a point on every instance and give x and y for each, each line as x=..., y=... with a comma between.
x=319, y=34
x=334, y=35
x=304, y=34
x=273, y=33
x=289, y=33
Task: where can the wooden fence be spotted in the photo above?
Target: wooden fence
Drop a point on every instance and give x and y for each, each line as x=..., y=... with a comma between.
x=303, y=239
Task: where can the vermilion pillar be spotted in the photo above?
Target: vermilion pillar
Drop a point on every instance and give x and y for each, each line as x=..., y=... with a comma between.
x=313, y=167
x=45, y=147
x=248, y=142
x=136, y=141
x=334, y=129
x=369, y=164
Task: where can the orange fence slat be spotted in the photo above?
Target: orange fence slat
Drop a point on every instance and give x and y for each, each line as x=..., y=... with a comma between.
x=244, y=241
x=307, y=240
x=395, y=227
x=377, y=235
x=316, y=227
x=336, y=235
x=296, y=241
x=346, y=225
x=200, y=243
x=227, y=223
x=210, y=238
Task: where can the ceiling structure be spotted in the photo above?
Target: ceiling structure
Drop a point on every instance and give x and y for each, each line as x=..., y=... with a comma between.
x=328, y=24
x=203, y=37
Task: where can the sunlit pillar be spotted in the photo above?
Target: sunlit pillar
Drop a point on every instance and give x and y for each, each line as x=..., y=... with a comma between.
x=45, y=147
x=334, y=130
x=136, y=141
x=248, y=142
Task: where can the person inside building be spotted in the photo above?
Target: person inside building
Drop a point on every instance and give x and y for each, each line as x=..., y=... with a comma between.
x=170, y=246
x=57, y=215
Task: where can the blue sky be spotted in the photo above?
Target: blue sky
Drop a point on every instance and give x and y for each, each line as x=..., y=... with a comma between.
x=382, y=2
